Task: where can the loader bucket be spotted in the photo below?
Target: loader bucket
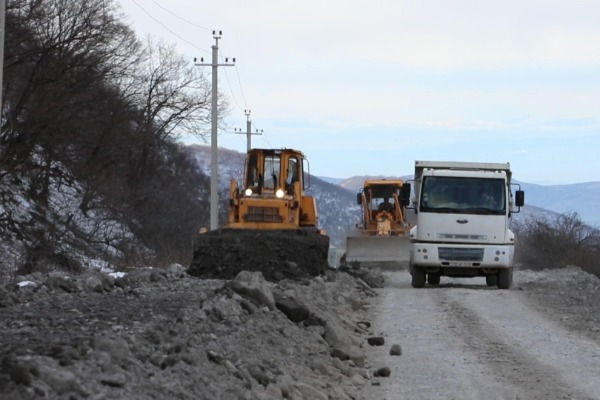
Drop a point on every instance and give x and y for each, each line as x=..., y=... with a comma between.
x=378, y=251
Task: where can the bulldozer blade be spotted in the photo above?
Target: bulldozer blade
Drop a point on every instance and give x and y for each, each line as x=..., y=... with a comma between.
x=389, y=251
x=278, y=254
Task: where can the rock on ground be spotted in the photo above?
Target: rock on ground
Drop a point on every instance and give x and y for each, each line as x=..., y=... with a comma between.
x=160, y=333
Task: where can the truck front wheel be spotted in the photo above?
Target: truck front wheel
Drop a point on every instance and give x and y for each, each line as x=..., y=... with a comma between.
x=505, y=277
x=418, y=277
x=491, y=280
x=433, y=279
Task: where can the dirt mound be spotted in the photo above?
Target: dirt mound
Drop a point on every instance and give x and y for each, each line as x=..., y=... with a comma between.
x=222, y=254
x=162, y=334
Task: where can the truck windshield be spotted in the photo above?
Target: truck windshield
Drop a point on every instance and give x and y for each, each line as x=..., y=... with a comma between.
x=463, y=195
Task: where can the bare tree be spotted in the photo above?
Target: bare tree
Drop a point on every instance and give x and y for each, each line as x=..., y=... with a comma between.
x=88, y=105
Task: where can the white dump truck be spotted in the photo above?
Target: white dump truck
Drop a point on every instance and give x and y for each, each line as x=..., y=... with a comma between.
x=463, y=213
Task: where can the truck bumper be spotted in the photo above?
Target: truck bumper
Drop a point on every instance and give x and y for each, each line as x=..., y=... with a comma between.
x=461, y=259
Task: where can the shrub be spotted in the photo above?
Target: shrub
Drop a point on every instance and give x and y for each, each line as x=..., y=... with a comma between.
x=566, y=240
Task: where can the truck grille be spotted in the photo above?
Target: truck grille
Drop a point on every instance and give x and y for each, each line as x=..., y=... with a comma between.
x=460, y=254
x=263, y=214
x=461, y=236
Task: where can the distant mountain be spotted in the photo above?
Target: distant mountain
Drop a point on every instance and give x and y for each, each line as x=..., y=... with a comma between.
x=333, y=181
x=583, y=198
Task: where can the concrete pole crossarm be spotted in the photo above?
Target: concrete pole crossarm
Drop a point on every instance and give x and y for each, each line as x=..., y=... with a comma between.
x=248, y=132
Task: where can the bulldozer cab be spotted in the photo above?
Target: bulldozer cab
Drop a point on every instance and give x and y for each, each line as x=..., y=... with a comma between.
x=276, y=172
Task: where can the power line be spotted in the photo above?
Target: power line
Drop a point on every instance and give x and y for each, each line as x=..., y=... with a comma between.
x=231, y=91
x=229, y=85
x=180, y=17
x=241, y=88
x=169, y=29
x=264, y=136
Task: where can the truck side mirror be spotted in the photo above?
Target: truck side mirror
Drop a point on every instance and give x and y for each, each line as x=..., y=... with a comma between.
x=519, y=198
x=405, y=194
x=359, y=198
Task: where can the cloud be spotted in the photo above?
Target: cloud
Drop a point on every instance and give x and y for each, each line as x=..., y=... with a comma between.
x=412, y=78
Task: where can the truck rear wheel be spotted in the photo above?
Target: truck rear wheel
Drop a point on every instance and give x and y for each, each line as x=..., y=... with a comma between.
x=491, y=280
x=433, y=279
x=418, y=277
x=505, y=277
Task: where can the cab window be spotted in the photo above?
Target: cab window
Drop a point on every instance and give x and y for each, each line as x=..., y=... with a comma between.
x=272, y=171
x=252, y=171
x=292, y=171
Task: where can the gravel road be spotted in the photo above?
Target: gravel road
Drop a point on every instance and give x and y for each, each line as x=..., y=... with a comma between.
x=463, y=340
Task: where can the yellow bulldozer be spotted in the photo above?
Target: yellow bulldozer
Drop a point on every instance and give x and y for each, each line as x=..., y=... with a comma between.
x=383, y=232
x=273, y=193
x=271, y=223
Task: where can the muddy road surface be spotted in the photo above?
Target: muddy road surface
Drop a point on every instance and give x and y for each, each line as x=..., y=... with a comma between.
x=463, y=340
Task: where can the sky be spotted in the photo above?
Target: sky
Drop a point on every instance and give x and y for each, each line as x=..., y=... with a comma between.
x=366, y=87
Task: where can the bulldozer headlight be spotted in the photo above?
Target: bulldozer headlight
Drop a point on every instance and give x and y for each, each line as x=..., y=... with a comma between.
x=248, y=192
x=279, y=193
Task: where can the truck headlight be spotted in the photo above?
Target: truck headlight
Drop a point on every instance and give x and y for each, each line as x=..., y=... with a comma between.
x=279, y=193
x=248, y=192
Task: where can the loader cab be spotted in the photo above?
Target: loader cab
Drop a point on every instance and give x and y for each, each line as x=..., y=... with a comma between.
x=277, y=173
x=384, y=195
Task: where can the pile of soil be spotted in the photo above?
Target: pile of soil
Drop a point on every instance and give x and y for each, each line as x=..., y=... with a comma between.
x=279, y=254
x=570, y=295
x=161, y=333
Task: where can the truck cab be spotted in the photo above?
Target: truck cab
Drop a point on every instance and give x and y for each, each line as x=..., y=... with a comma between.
x=463, y=213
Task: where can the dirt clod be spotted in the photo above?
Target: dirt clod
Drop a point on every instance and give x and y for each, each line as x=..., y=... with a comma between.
x=376, y=341
x=396, y=350
x=383, y=372
x=294, y=310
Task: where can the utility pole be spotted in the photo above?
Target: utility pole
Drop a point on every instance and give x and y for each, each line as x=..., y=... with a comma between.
x=214, y=158
x=248, y=132
x=2, y=25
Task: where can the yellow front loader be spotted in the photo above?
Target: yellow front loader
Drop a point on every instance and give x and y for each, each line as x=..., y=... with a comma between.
x=383, y=237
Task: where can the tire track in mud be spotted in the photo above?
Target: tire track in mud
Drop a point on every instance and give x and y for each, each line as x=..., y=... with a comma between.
x=511, y=361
